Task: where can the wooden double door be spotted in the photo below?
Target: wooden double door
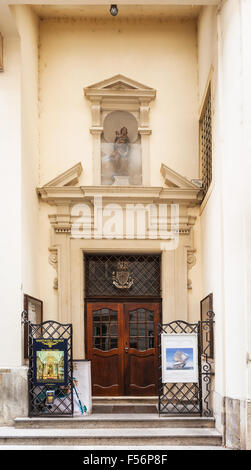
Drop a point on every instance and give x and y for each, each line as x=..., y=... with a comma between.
x=122, y=347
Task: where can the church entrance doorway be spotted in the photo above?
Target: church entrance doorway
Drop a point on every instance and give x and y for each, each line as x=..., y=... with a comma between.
x=121, y=328
x=122, y=347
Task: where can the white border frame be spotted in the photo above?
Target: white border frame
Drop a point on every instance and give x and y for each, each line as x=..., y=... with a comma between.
x=179, y=341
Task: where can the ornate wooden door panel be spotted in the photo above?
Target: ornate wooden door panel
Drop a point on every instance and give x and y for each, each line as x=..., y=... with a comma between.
x=105, y=348
x=141, y=361
x=122, y=345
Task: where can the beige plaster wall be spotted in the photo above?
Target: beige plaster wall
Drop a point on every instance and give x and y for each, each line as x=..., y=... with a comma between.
x=74, y=53
x=27, y=24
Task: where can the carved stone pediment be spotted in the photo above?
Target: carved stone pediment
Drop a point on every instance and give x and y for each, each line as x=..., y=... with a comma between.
x=67, y=178
x=114, y=86
x=173, y=179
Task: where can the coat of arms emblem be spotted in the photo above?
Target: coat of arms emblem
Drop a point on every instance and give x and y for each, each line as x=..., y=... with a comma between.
x=121, y=277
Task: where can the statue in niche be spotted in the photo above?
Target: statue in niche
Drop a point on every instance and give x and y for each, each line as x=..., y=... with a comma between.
x=120, y=154
x=120, y=150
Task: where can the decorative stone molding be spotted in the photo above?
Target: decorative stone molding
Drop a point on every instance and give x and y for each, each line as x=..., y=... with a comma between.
x=120, y=93
x=53, y=260
x=67, y=178
x=173, y=179
x=57, y=195
x=65, y=197
x=191, y=261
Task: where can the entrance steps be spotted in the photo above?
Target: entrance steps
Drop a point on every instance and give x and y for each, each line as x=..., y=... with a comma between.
x=111, y=424
x=129, y=405
x=110, y=437
x=118, y=421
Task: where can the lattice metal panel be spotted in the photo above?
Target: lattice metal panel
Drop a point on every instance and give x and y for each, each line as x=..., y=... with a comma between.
x=122, y=275
x=206, y=145
x=189, y=398
x=63, y=403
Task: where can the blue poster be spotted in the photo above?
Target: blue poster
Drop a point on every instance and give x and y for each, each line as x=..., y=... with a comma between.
x=182, y=358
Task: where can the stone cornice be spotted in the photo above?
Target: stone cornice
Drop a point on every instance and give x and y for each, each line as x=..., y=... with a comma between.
x=71, y=195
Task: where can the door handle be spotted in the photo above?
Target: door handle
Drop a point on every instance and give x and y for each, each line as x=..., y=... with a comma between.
x=126, y=349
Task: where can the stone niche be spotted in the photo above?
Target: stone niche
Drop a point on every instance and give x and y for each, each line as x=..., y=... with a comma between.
x=120, y=128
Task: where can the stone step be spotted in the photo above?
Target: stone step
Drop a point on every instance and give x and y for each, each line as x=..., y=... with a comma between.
x=111, y=437
x=125, y=400
x=124, y=408
x=106, y=421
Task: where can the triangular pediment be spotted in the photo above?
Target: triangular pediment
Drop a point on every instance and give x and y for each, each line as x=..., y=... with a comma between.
x=67, y=178
x=118, y=82
x=117, y=87
x=175, y=180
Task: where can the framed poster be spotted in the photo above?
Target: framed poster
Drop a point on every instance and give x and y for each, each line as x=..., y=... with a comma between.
x=206, y=305
x=34, y=309
x=50, y=361
x=179, y=353
x=82, y=387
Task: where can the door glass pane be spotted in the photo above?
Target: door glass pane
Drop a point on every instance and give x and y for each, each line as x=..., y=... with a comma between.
x=105, y=314
x=133, y=329
x=105, y=329
x=133, y=343
x=114, y=329
x=113, y=316
x=141, y=329
x=150, y=329
x=141, y=314
x=142, y=344
x=96, y=329
x=133, y=316
x=149, y=316
x=150, y=343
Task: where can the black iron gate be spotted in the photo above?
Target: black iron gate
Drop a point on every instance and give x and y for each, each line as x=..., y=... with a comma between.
x=50, y=398
x=193, y=398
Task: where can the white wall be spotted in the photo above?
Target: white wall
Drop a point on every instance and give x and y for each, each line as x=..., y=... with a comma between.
x=10, y=191
x=211, y=216
x=246, y=145
x=223, y=219
x=19, y=170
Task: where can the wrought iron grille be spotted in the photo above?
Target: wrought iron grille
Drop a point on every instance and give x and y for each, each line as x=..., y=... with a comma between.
x=104, y=273
x=189, y=398
x=206, y=144
x=63, y=402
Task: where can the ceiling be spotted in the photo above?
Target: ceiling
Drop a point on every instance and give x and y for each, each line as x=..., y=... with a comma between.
x=125, y=11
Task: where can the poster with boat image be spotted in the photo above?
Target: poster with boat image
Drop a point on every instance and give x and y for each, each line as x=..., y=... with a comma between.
x=179, y=358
